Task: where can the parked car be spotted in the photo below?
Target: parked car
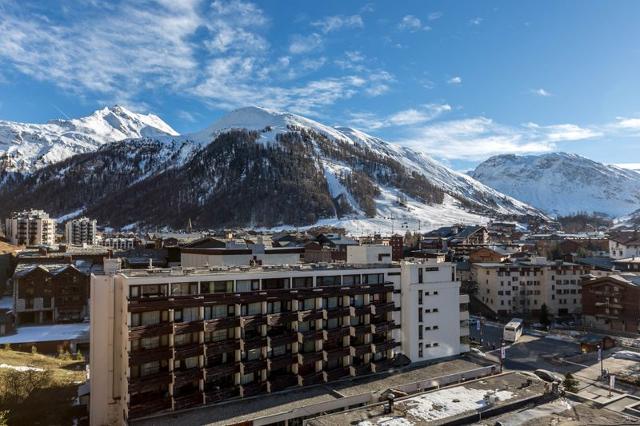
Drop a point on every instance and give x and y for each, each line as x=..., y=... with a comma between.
x=548, y=376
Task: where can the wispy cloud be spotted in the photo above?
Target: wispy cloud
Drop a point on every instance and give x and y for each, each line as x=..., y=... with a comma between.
x=338, y=22
x=407, y=117
x=433, y=16
x=540, y=92
x=480, y=137
x=476, y=21
x=216, y=51
x=455, y=80
x=412, y=23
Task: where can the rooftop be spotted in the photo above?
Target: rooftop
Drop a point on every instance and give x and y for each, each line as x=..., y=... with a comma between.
x=48, y=333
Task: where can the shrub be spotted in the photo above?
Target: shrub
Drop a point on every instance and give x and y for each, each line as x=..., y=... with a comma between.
x=570, y=383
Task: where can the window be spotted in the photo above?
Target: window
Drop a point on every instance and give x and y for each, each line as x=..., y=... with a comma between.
x=419, y=315
x=332, y=280
x=302, y=282
x=435, y=344
x=420, y=275
x=254, y=308
x=435, y=327
x=420, y=350
x=419, y=297
x=435, y=310
x=351, y=280
x=247, y=285
x=420, y=332
x=435, y=293
x=309, y=303
x=373, y=279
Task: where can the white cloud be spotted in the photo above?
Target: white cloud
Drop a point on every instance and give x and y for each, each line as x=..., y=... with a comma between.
x=305, y=44
x=540, y=92
x=476, y=21
x=338, y=22
x=187, y=116
x=214, y=51
x=627, y=123
x=480, y=137
x=412, y=23
x=455, y=80
x=433, y=16
x=407, y=117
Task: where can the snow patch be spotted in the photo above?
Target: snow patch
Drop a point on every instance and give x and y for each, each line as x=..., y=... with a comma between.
x=20, y=367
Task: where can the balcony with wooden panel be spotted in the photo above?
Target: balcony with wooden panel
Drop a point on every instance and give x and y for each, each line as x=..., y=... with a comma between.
x=188, y=351
x=151, y=330
x=221, y=323
x=222, y=370
x=222, y=346
x=310, y=335
x=382, y=308
x=253, y=388
x=252, y=366
x=143, y=356
x=336, y=373
x=359, y=330
x=337, y=312
x=187, y=401
x=384, y=327
x=282, y=381
x=150, y=381
x=285, y=338
x=311, y=378
x=253, y=343
x=336, y=352
x=186, y=376
x=188, y=327
x=281, y=361
x=336, y=333
x=217, y=395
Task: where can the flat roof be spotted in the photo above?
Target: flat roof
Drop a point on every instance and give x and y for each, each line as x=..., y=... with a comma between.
x=440, y=406
x=245, y=410
x=48, y=333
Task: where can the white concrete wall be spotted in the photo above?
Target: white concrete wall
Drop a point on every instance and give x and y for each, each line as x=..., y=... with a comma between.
x=369, y=254
x=446, y=301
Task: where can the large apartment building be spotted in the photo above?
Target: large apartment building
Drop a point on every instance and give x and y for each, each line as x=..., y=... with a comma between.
x=168, y=339
x=523, y=286
x=30, y=228
x=81, y=231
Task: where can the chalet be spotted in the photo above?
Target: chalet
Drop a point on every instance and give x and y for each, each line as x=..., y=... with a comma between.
x=488, y=254
x=624, y=245
x=454, y=236
x=612, y=303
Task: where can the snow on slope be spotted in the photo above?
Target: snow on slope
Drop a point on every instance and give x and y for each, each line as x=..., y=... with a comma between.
x=562, y=184
x=28, y=147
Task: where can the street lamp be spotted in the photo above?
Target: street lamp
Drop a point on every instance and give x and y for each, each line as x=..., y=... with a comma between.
x=601, y=361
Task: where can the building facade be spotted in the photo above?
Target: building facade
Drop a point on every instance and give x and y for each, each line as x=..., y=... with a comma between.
x=524, y=286
x=81, y=231
x=196, y=336
x=30, y=228
x=612, y=303
x=624, y=245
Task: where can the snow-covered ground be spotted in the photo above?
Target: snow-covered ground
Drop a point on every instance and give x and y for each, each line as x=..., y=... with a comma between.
x=48, y=333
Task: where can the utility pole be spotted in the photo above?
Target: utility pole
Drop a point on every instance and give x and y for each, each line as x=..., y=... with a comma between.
x=601, y=361
x=503, y=354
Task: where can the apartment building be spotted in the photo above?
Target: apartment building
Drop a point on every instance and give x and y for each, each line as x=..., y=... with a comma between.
x=179, y=338
x=612, y=303
x=523, y=286
x=81, y=231
x=624, y=245
x=30, y=228
x=119, y=243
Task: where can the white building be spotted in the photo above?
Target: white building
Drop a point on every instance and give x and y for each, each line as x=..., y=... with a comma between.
x=81, y=231
x=188, y=337
x=624, y=245
x=118, y=243
x=369, y=254
x=30, y=228
x=433, y=323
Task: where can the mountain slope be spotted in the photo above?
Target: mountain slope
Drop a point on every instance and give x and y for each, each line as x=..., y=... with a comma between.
x=26, y=147
x=562, y=184
x=261, y=168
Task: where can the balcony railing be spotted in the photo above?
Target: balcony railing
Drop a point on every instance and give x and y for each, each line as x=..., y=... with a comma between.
x=359, y=330
x=338, y=312
x=222, y=370
x=381, y=365
x=253, y=343
x=310, y=315
x=281, y=361
x=188, y=351
x=154, y=405
x=282, y=382
x=188, y=327
x=334, y=353
x=336, y=373
x=311, y=378
x=150, y=330
x=142, y=356
x=221, y=323
x=149, y=382
x=360, y=369
x=254, y=388
x=360, y=310
x=187, y=401
x=221, y=394
x=281, y=318
x=384, y=327
x=381, y=308
x=222, y=346
x=384, y=346
x=283, y=339
x=359, y=350
x=183, y=377
x=310, y=335
x=253, y=320
x=308, y=358
x=336, y=333
x=252, y=366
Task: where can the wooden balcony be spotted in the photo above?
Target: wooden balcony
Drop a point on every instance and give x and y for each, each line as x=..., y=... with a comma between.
x=359, y=350
x=253, y=343
x=311, y=378
x=310, y=335
x=282, y=318
x=308, y=358
x=253, y=320
x=154, y=405
x=359, y=330
x=281, y=361
x=188, y=351
x=380, y=366
x=151, y=330
x=142, y=356
x=221, y=323
x=254, y=388
x=188, y=327
x=222, y=346
x=283, y=339
x=355, y=311
x=149, y=382
x=382, y=308
x=336, y=373
x=334, y=353
x=313, y=314
x=360, y=369
x=384, y=346
x=342, y=311
x=187, y=401
x=222, y=370
x=335, y=333
x=221, y=394
x=252, y=366
x=384, y=327
x=282, y=382
x=184, y=377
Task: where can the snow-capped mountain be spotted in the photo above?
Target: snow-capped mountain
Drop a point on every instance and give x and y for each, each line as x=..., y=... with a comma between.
x=26, y=147
x=261, y=168
x=562, y=184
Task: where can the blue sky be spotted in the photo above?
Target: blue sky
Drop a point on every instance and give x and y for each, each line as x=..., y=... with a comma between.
x=461, y=80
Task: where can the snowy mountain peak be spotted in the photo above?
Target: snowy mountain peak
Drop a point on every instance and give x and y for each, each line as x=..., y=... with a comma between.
x=562, y=183
x=26, y=147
